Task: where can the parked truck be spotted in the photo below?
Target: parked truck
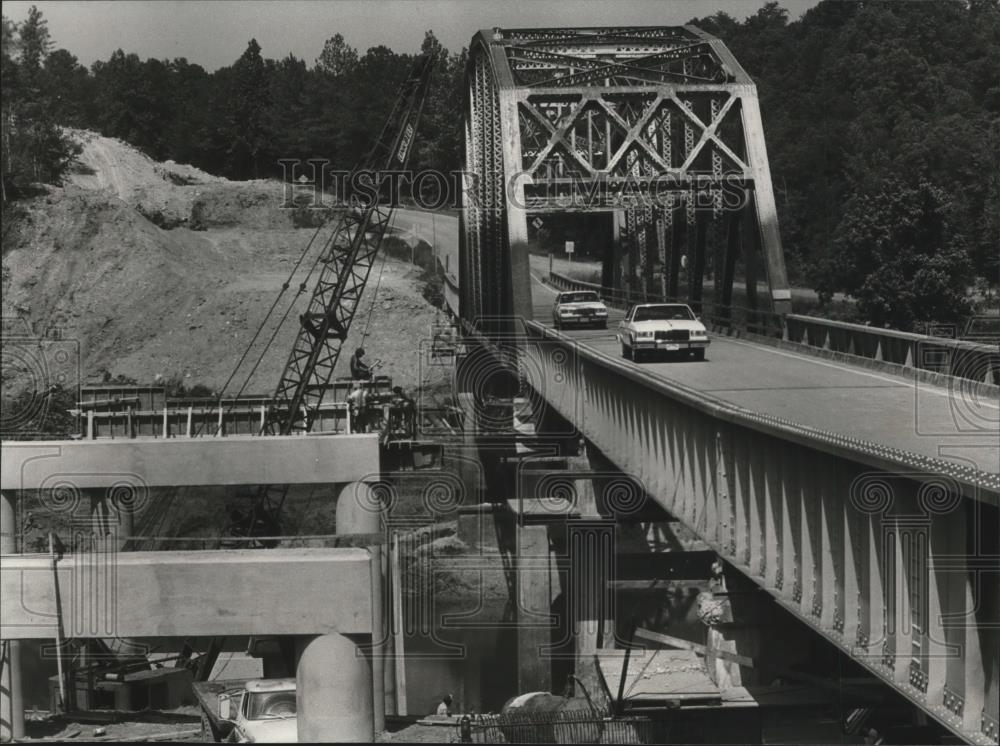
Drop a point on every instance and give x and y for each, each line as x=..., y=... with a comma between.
x=248, y=711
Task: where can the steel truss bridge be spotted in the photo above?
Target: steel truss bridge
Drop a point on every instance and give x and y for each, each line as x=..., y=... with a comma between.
x=828, y=462
x=662, y=122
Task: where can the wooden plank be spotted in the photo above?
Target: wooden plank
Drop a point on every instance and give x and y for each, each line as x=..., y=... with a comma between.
x=676, y=642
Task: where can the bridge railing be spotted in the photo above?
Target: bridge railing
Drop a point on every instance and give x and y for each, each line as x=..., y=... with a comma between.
x=952, y=357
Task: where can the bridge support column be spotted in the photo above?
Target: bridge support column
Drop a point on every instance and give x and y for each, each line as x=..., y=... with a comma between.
x=124, y=510
x=591, y=547
x=334, y=691
x=112, y=519
x=359, y=512
x=112, y=526
x=617, y=275
x=11, y=701
x=470, y=469
x=340, y=687
x=536, y=584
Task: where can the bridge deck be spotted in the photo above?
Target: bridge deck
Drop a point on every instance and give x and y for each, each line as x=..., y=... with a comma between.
x=921, y=418
x=890, y=410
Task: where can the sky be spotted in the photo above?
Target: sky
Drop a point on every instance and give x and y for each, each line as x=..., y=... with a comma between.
x=214, y=33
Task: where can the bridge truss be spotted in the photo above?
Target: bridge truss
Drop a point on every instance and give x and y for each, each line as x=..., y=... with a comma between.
x=659, y=125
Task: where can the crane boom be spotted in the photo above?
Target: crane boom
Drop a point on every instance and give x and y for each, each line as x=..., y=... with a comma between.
x=346, y=264
x=346, y=261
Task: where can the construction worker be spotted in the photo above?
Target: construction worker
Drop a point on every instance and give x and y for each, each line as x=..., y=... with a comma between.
x=404, y=411
x=357, y=400
x=360, y=370
x=444, y=708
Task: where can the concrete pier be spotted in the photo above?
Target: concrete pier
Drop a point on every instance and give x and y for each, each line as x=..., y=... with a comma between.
x=334, y=690
x=11, y=702
x=339, y=678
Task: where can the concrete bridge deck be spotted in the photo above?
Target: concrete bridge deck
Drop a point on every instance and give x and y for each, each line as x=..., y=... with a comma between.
x=952, y=424
x=919, y=418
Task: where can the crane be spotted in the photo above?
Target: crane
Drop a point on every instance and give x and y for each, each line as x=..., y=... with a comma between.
x=346, y=262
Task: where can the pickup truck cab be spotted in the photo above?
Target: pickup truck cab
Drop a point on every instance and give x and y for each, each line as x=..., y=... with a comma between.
x=662, y=327
x=580, y=307
x=264, y=711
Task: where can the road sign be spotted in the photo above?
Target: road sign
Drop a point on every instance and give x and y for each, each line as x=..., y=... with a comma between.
x=569, y=247
x=537, y=222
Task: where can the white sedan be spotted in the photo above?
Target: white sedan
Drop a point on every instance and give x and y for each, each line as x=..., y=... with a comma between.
x=662, y=327
x=580, y=307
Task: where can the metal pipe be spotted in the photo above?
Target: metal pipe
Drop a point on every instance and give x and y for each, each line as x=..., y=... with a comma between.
x=620, y=703
x=59, y=663
x=378, y=646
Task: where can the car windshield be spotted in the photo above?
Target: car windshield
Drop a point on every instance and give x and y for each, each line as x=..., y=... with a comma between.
x=586, y=296
x=271, y=705
x=663, y=313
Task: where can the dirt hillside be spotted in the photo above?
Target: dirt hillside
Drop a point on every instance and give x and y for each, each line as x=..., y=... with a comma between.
x=158, y=269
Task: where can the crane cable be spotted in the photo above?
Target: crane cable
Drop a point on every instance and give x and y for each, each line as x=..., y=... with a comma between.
x=378, y=280
x=328, y=247
x=267, y=316
x=371, y=306
x=260, y=328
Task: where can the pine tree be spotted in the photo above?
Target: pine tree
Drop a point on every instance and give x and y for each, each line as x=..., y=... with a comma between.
x=337, y=58
x=247, y=112
x=34, y=148
x=35, y=41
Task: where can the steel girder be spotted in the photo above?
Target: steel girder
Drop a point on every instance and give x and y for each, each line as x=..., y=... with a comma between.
x=659, y=124
x=891, y=557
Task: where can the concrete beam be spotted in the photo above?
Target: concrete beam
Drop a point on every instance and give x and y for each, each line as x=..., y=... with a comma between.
x=177, y=462
x=181, y=594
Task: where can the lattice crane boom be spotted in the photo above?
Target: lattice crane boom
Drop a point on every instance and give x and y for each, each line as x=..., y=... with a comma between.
x=345, y=266
x=345, y=263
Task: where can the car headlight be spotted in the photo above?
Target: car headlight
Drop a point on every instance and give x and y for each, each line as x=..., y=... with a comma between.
x=644, y=335
x=564, y=312
x=701, y=333
x=602, y=312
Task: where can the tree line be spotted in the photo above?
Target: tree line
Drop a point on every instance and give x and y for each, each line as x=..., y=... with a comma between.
x=237, y=121
x=882, y=122
x=881, y=118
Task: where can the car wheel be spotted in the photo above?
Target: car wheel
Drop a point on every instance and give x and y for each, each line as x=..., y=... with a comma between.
x=626, y=351
x=699, y=354
x=603, y=325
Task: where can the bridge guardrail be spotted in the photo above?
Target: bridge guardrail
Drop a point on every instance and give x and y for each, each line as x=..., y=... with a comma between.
x=952, y=357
